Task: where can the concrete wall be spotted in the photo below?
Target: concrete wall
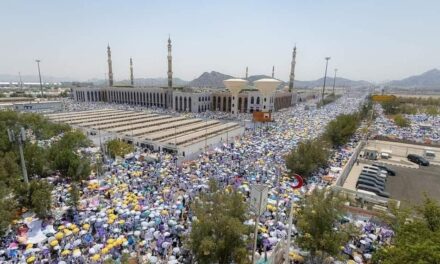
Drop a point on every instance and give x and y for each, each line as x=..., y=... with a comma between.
x=401, y=149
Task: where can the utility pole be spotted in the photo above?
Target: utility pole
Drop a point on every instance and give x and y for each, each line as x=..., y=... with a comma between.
x=21, y=138
x=334, y=82
x=39, y=75
x=325, y=77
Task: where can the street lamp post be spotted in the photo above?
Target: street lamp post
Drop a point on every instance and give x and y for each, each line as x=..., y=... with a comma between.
x=334, y=82
x=325, y=77
x=39, y=75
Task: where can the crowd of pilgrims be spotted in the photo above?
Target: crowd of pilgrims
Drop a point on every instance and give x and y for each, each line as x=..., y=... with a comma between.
x=141, y=206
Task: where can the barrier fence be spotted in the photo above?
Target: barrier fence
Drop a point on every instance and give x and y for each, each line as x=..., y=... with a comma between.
x=346, y=170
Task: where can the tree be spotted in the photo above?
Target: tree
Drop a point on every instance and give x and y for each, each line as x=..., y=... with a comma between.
x=36, y=160
x=307, y=157
x=339, y=131
x=118, y=148
x=71, y=165
x=8, y=207
x=432, y=110
x=317, y=219
x=217, y=234
x=417, y=238
x=75, y=196
x=401, y=121
x=40, y=197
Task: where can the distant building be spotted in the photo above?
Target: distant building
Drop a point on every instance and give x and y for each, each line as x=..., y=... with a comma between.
x=33, y=106
x=189, y=99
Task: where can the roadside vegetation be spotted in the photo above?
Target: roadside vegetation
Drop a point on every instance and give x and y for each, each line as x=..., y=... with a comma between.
x=401, y=121
x=117, y=148
x=417, y=235
x=49, y=149
x=328, y=99
x=311, y=155
x=412, y=106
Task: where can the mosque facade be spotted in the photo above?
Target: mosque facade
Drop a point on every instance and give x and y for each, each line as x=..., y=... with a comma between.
x=185, y=99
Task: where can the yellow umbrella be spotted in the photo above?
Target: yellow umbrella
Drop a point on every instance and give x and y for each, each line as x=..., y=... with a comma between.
x=75, y=231
x=54, y=243
x=59, y=235
x=30, y=259
x=263, y=230
x=110, y=241
x=104, y=250
x=29, y=246
x=65, y=252
x=86, y=226
x=73, y=226
x=61, y=227
x=119, y=241
x=164, y=212
x=121, y=222
x=95, y=257
x=294, y=256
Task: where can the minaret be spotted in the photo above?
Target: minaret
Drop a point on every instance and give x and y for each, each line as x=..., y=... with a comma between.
x=273, y=71
x=109, y=61
x=131, y=72
x=247, y=72
x=292, y=70
x=170, y=65
x=170, y=76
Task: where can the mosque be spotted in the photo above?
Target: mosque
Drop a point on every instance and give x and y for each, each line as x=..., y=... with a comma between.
x=248, y=99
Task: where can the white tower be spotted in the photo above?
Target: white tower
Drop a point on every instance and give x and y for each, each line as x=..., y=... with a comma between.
x=235, y=86
x=267, y=89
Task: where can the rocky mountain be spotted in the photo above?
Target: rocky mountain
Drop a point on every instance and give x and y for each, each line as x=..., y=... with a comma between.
x=210, y=79
x=329, y=82
x=429, y=79
x=215, y=80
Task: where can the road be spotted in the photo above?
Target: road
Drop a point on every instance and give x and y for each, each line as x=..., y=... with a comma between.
x=409, y=185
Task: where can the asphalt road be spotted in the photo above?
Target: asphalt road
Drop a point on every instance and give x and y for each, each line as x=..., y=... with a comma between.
x=409, y=185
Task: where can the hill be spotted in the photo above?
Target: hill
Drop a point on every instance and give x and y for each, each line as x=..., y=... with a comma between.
x=429, y=79
x=215, y=80
x=211, y=79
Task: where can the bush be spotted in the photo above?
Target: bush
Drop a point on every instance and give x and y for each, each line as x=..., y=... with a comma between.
x=339, y=131
x=307, y=157
x=401, y=121
x=118, y=148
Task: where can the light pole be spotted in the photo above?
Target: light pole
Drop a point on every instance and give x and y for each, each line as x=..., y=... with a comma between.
x=21, y=138
x=325, y=77
x=334, y=82
x=39, y=75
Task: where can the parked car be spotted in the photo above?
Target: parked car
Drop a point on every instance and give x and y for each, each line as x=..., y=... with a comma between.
x=372, y=178
x=375, y=168
x=374, y=172
x=418, y=159
x=390, y=172
x=370, y=183
x=374, y=190
x=369, y=173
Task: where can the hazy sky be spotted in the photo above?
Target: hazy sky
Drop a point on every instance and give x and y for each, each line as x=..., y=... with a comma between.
x=374, y=40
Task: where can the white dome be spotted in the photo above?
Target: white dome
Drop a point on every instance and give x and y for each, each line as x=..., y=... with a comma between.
x=267, y=86
x=235, y=85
